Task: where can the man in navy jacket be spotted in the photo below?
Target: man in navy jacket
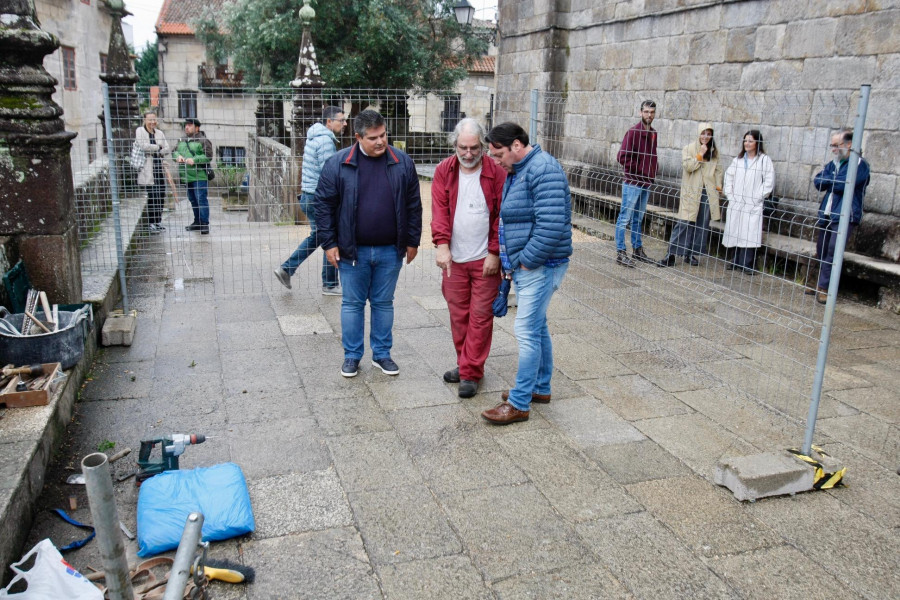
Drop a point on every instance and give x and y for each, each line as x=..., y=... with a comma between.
x=369, y=215
x=535, y=245
x=831, y=181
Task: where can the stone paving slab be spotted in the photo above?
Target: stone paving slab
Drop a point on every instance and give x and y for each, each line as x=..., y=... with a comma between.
x=789, y=574
x=695, y=440
x=574, y=485
x=297, y=503
x=322, y=564
x=402, y=523
x=637, y=461
x=452, y=577
x=373, y=461
x=838, y=548
x=634, y=398
x=705, y=517
x=649, y=559
x=504, y=542
x=579, y=582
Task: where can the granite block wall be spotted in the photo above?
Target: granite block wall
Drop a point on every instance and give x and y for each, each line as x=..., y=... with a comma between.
x=791, y=68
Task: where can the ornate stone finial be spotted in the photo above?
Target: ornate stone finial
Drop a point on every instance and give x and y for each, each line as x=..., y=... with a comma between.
x=307, y=13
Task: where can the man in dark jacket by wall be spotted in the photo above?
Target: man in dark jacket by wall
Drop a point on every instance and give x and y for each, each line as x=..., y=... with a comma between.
x=637, y=155
x=535, y=245
x=369, y=216
x=831, y=181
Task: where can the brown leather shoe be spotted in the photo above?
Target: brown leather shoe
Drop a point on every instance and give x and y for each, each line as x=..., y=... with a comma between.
x=504, y=414
x=539, y=398
x=822, y=297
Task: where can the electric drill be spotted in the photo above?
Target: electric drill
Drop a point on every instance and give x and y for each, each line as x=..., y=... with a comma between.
x=170, y=449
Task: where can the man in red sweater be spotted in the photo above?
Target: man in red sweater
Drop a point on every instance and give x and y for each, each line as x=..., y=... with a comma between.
x=465, y=207
x=639, y=163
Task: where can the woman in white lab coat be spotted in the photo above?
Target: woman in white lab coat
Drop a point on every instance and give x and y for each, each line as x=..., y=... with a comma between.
x=748, y=181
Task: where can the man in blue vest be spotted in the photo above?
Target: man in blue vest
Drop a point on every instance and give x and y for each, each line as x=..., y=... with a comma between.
x=535, y=244
x=369, y=215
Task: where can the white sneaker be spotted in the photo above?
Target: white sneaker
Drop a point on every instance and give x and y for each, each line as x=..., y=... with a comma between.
x=332, y=291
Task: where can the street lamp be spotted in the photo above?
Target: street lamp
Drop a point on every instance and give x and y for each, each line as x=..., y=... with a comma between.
x=464, y=13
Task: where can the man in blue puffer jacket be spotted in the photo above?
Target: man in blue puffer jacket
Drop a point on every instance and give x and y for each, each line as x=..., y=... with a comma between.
x=320, y=146
x=535, y=245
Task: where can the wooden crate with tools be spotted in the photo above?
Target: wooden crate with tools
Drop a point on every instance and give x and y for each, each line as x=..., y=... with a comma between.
x=28, y=386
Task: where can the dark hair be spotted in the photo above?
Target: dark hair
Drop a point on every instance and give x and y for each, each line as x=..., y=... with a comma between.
x=192, y=121
x=711, y=150
x=366, y=120
x=757, y=136
x=331, y=112
x=504, y=134
x=648, y=104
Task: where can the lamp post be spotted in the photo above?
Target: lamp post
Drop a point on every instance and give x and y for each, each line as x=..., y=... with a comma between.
x=464, y=13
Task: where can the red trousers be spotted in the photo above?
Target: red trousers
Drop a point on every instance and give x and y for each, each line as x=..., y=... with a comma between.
x=469, y=296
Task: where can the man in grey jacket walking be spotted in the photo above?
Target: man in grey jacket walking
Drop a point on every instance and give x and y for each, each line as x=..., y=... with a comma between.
x=320, y=146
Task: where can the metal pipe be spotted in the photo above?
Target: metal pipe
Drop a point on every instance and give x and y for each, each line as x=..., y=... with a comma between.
x=114, y=192
x=98, y=484
x=532, y=129
x=184, y=557
x=837, y=265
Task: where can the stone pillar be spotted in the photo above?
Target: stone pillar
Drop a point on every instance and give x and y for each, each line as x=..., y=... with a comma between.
x=123, y=101
x=37, y=200
x=307, y=86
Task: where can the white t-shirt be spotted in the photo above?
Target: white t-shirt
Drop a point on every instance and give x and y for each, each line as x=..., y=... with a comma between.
x=472, y=220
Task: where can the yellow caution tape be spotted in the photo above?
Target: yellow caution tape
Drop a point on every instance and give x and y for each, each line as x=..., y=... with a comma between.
x=821, y=480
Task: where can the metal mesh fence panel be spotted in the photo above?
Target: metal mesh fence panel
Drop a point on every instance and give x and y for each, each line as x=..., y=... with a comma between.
x=699, y=317
x=255, y=219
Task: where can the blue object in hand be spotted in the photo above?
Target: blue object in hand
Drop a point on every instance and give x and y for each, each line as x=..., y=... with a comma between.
x=500, y=302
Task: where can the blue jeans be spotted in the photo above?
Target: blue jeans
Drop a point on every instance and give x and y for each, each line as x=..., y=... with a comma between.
x=690, y=237
x=634, y=205
x=825, y=243
x=534, y=288
x=197, y=191
x=373, y=277
x=309, y=246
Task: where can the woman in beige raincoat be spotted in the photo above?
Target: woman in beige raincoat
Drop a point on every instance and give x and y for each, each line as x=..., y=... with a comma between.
x=701, y=183
x=749, y=179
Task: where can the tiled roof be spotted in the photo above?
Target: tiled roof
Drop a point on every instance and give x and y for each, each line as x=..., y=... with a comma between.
x=176, y=15
x=485, y=64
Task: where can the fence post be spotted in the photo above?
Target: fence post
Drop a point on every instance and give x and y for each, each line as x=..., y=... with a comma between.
x=840, y=245
x=114, y=191
x=532, y=129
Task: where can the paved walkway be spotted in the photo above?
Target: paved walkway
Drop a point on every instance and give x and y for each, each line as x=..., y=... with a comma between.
x=393, y=487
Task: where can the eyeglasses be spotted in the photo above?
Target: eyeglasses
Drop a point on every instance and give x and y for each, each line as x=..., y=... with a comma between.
x=837, y=145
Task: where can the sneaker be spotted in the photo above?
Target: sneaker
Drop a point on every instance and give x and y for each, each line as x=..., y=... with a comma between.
x=622, y=259
x=350, y=367
x=638, y=254
x=452, y=376
x=387, y=366
x=159, y=227
x=193, y=227
x=331, y=291
x=204, y=229
x=283, y=277
x=467, y=388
